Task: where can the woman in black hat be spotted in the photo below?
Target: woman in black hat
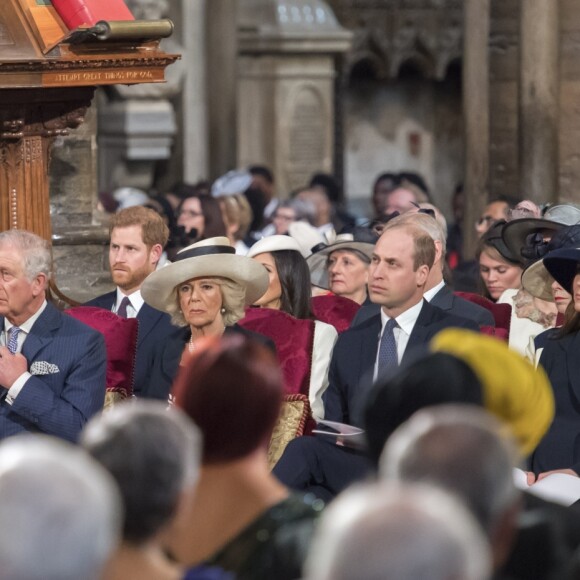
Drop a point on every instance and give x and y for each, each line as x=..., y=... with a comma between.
x=559, y=450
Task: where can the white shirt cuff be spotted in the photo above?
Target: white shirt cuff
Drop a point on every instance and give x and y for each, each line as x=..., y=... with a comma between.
x=16, y=387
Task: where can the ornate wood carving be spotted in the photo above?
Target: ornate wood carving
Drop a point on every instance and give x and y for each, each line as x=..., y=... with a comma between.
x=392, y=33
x=29, y=122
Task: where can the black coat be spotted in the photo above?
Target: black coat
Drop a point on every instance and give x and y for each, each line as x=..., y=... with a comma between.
x=354, y=355
x=154, y=327
x=560, y=447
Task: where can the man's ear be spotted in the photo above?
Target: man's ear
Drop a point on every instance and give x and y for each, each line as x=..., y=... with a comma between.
x=155, y=253
x=438, y=251
x=39, y=284
x=422, y=274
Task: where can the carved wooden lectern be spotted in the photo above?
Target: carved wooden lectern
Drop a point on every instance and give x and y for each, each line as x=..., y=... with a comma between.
x=48, y=77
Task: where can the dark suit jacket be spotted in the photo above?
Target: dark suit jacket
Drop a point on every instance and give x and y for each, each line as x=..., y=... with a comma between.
x=444, y=299
x=353, y=360
x=154, y=327
x=166, y=360
x=560, y=447
x=58, y=403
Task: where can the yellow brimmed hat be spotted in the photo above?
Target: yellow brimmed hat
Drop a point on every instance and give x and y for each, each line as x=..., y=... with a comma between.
x=513, y=390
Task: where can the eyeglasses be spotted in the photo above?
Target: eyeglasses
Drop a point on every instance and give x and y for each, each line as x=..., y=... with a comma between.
x=485, y=219
x=281, y=216
x=189, y=213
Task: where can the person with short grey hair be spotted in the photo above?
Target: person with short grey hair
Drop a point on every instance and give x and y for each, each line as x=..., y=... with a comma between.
x=60, y=513
x=52, y=367
x=153, y=453
x=461, y=448
x=416, y=532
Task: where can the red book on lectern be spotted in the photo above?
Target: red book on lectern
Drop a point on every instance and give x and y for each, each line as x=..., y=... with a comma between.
x=75, y=13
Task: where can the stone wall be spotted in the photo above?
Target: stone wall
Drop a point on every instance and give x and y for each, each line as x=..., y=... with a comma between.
x=504, y=65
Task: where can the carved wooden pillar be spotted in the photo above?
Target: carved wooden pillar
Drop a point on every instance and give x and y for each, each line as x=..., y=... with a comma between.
x=30, y=119
x=539, y=99
x=476, y=114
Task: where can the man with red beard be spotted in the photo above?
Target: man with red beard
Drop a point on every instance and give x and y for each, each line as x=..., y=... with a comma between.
x=138, y=236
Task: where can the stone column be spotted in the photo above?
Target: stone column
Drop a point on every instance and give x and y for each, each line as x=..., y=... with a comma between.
x=195, y=104
x=476, y=114
x=222, y=50
x=287, y=87
x=539, y=99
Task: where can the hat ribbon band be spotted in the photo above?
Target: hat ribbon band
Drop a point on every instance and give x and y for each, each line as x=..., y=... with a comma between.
x=204, y=251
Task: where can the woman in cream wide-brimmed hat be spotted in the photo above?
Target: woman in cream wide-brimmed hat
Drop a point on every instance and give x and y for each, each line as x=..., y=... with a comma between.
x=205, y=290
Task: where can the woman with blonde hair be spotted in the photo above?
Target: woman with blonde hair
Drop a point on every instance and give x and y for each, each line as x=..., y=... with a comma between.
x=205, y=290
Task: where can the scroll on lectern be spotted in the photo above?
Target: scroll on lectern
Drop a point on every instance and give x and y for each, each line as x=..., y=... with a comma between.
x=52, y=59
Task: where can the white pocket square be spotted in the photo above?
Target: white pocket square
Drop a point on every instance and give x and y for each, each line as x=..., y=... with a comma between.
x=41, y=367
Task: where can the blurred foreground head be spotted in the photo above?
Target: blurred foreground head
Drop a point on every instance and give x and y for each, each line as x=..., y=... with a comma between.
x=153, y=453
x=232, y=390
x=467, y=452
x=415, y=532
x=60, y=512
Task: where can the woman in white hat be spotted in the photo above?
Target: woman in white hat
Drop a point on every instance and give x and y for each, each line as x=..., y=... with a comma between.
x=289, y=291
x=342, y=267
x=205, y=290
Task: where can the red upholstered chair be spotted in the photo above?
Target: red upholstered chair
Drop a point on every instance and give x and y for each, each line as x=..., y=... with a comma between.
x=294, y=340
x=336, y=310
x=121, y=342
x=502, y=314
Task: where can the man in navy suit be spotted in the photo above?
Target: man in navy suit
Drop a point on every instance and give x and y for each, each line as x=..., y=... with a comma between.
x=52, y=367
x=138, y=236
x=436, y=291
x=400, y=267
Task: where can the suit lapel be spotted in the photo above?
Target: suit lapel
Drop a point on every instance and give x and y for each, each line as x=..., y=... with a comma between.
x=420, y=330
x=443, y=299
x=147, y=318
x=41, y=332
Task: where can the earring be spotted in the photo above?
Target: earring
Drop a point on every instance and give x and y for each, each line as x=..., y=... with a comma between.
x=223, y=310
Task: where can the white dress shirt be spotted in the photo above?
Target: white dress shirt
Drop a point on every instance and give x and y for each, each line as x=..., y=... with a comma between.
x=406, y=322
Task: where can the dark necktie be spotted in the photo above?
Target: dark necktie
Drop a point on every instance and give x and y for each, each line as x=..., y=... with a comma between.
x=13, y=339
x=388, y=357
x=123, y=307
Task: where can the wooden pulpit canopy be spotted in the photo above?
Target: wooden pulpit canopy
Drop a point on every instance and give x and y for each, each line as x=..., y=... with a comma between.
x=48, y=75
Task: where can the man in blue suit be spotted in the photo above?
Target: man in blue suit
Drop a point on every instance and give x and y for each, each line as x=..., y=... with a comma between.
x=138, y=236
x=436, y=292
x=399, y=270
x=52, y=367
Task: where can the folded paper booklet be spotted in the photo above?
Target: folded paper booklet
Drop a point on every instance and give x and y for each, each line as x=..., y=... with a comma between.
x=345, y=435
x=560, y=488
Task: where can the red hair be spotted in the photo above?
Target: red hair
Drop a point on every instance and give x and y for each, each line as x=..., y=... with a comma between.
x=232, y=389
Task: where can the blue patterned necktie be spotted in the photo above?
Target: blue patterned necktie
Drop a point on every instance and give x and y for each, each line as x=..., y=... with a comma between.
x=123, y=307
x=388, y=347
x=13, y=339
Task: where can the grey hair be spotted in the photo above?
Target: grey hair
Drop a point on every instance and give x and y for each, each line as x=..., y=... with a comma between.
x=461, y=449
x=305, y=210
x=431, y=226
x=153, y=453
x=385, y=530
x=36, y=254
x=233, y=300
x=66, y=508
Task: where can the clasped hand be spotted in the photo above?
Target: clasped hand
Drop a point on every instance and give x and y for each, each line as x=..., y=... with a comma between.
x=11, y=367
